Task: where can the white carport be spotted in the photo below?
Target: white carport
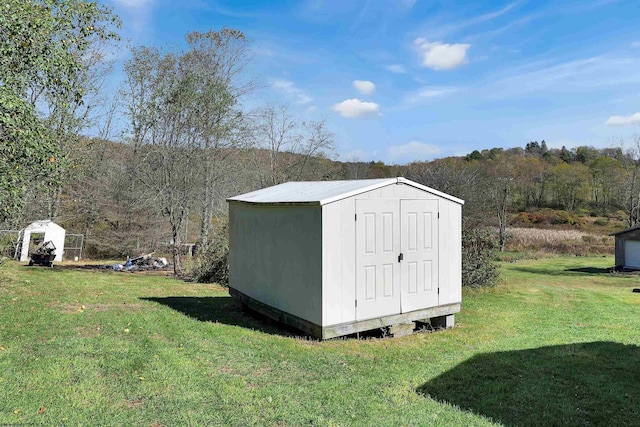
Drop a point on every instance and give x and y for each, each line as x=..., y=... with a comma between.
x=50, y=231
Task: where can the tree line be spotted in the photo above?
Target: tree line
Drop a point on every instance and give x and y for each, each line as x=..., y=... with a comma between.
x=190, y=139
x=497, y=182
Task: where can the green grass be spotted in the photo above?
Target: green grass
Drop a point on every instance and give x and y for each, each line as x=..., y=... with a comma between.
x=557, y=343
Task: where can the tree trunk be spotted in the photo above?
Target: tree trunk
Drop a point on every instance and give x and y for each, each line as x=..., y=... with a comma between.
x=175, y=233
x=631, y=216
x=205, y=221
x=502, y=218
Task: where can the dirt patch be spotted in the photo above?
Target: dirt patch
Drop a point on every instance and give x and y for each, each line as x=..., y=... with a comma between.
x=131, y=403
x=108, y=268
x=226, y=370
x=159, y=337
x=262, y=371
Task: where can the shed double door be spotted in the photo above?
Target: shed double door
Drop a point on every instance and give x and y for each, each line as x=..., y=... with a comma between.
x=396, y=256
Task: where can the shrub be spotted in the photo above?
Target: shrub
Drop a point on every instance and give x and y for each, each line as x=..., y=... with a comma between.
x=548, y=216
x=621, y=215
x=479, y=268
x=212, y=264
x=8, y=242
x=601, y=221
x=522, y=218
x=564, y=217
x=536, y=218
x=544, y=216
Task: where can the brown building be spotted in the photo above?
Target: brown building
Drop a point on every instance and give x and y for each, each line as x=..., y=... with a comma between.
x=628, y=247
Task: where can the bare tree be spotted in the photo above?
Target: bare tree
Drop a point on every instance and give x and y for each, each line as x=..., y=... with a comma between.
x=354, y=167
x=215, y=62
x=498, y=183
x=293, y=148
x=68, y=115
x=631, y=166
x=186, y=120
x=166, y=169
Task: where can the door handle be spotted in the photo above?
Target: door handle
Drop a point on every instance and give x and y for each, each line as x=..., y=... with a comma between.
x=400, y=257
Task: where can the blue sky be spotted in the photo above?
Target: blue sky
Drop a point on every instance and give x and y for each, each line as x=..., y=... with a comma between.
x=405, y=80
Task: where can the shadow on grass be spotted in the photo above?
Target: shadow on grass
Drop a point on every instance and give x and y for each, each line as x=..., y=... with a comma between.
x=228, y=311
x=576, y=384
x=591, y=270
x=581, y=271
x=224, y=310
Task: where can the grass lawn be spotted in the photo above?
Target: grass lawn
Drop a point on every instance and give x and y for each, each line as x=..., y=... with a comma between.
x=556, y=344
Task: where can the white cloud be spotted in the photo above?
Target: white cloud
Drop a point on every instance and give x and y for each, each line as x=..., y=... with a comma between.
x=364, y=86
x=492, y=15
x=412, y=151
x=355, y=108
x=136, y=14
x=439, y=26
x=442, y=56
x=435, y=91
x=623, y=120
x=289, y=88
x=427, y=95
x=635, y=44
x=579, y=76
x=396, y=68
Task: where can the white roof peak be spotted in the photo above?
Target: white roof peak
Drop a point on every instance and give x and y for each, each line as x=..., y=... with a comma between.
x=324, y=192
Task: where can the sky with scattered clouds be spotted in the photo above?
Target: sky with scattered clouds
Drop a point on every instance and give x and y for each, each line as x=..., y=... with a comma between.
x=406, y=80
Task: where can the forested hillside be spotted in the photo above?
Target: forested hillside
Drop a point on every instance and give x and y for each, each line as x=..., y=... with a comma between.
x=120, y=214
x=189, y=140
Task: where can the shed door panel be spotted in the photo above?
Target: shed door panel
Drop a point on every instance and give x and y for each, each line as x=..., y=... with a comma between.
x=419, y=246
x=632, y=253
x=377, y=250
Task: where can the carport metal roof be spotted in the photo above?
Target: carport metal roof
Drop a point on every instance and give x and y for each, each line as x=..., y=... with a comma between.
x=324, y=192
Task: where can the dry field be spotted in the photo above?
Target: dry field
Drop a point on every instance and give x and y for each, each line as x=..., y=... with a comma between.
x=558, y=241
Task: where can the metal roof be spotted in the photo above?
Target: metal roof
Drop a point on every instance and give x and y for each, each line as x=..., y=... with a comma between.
x=626, y=230
x=45, y=223
x=323, y=192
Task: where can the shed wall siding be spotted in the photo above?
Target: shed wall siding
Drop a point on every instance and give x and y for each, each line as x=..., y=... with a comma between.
x=619, y=245
x=339, y=250
x=276, y=257
x=450, y=246
x=332, y=222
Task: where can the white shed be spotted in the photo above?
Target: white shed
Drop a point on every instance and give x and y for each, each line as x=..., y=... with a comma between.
x=49, y=231
x=337, y=257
